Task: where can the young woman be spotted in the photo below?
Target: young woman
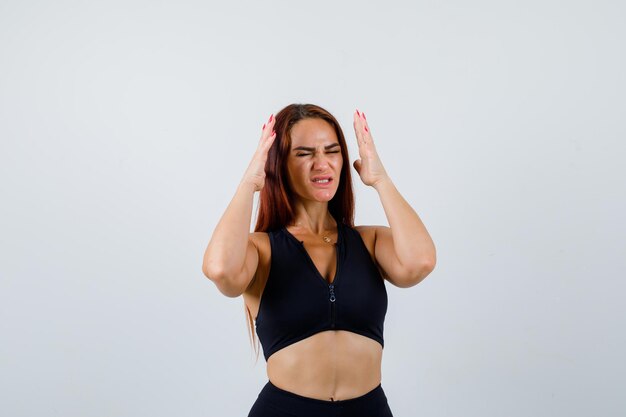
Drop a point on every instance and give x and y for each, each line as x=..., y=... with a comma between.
x=311, y=280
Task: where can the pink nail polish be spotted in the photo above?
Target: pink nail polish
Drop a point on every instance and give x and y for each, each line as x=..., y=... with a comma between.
x=366, y=128
x=357, y=112
x=273, y=132
x=263, y=126
x=364, y=116
x=271, y=117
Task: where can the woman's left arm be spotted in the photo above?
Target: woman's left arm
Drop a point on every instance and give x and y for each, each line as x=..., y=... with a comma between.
x=404, y=251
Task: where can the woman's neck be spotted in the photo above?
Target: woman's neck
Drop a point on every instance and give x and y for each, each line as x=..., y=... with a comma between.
x=314, y=218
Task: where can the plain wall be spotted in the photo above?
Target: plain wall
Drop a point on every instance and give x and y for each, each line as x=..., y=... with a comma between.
x=125, y=127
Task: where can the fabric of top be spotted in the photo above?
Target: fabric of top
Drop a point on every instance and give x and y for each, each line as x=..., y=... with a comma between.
x=298, y=302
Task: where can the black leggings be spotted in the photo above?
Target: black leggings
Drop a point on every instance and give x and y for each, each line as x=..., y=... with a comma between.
x=276, y=402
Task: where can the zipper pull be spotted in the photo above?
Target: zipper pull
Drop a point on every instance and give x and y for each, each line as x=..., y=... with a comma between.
x=331, y=288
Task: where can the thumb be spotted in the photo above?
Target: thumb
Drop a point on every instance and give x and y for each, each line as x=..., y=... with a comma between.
x=357, y=166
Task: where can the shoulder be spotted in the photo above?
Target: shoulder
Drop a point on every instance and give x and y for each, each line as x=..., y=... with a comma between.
x=368, y=235
x=259, y=238
x=366, y=231
x=261, y=241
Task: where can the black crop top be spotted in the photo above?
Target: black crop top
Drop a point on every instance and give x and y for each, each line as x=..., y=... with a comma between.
x=298, y=302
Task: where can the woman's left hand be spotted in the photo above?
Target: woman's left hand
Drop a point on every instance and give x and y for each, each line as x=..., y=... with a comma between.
x=369, y=167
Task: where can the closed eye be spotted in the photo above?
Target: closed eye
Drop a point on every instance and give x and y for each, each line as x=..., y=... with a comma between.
x=305, y=154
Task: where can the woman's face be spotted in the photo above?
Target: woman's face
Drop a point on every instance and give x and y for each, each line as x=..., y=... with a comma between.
x=315, y=155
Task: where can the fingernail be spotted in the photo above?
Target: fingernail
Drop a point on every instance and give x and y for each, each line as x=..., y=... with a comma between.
x=273, y=132
x=271, y=117
x=357, y=112
x=366, y=128
x=263, y=126
x=364, y=116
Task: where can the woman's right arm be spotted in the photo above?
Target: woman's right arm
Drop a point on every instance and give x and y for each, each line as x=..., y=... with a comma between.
x=231, y=258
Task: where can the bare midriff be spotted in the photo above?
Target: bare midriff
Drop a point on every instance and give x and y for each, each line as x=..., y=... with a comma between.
x=332, y=365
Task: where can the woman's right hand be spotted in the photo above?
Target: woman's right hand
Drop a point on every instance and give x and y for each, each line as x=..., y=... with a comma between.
x=255, y=174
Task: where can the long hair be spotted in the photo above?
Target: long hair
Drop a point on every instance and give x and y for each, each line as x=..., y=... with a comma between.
x=277, y=200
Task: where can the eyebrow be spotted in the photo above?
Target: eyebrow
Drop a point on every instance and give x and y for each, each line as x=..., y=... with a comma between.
x=306, y=148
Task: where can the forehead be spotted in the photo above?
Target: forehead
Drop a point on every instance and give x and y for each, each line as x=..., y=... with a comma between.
x=312, y=132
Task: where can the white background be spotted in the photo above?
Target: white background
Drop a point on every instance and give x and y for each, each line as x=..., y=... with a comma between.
x=126, y=126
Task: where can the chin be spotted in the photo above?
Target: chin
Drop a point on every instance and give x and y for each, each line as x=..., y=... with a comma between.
x=324, y=199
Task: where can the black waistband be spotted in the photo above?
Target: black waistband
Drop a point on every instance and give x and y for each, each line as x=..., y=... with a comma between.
x=283, y=402
x=273, y=390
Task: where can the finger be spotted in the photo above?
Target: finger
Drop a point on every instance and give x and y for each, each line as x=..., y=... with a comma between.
x=361, y=127
x=270, y=139
x=358, y=130
x=361, y=145
x=267, y=142
x=361, y=135
x=267, y=128
x=367, y=135
x=270, y=122
x=359, y=138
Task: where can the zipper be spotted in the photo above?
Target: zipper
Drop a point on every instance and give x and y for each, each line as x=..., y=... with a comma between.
x=332, y=298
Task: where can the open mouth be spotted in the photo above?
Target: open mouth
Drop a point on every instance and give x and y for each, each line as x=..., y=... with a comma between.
x=322, y=180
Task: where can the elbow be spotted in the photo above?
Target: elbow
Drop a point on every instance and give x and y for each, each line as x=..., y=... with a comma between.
x=417, y=275
x=428, y=266
x=221, y=280
x=424, y=266
x=213, y=271
x=426, y=269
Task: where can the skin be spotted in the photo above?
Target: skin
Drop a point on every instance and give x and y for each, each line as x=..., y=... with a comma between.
x=330, y=365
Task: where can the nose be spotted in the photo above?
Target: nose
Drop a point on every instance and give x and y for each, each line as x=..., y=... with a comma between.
x=320, y=162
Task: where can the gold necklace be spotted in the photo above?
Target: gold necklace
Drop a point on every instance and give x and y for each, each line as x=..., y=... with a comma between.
x=325, y=238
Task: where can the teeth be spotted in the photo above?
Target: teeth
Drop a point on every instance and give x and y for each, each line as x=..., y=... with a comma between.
x=321, y=180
